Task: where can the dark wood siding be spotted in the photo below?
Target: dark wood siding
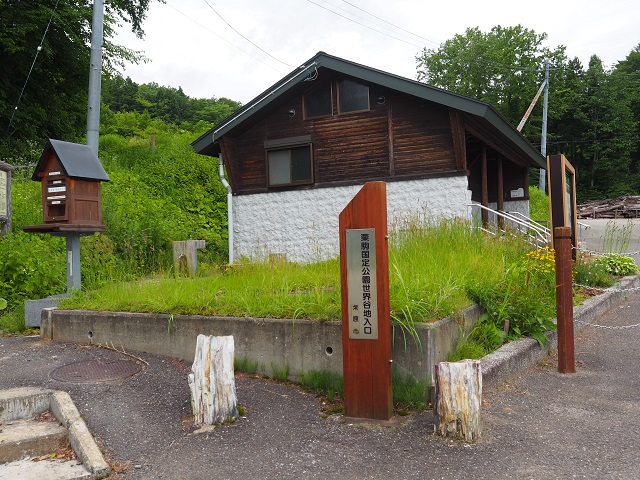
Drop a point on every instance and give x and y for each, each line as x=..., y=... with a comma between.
x=422, y=139
x=352, y=147
x=251, y=171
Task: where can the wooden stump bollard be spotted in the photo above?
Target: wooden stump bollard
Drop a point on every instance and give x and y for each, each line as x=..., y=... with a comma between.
x=458, y=399
x=211, y=381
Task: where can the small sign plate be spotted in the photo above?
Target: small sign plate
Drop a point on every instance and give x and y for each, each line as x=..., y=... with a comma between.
x=361, y=284
x=56, y=189
x=3, y=194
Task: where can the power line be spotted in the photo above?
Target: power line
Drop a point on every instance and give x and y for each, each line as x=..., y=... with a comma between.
x=477, y=61
x=252, y=43
x=363, y=25
x=38, y=50
x=389, y=23
x=222, y=38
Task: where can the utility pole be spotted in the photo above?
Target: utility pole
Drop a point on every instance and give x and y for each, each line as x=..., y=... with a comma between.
x=543, y=142
x=95, y=76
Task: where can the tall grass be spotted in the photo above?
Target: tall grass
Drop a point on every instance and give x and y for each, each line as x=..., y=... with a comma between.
x=430, y=268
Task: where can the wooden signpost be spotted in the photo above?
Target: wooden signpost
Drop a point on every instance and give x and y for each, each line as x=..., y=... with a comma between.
x=366, y=324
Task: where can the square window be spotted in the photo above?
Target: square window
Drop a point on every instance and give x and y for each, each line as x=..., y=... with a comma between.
x=353, y=97
x=317, y=102
x=290, y=166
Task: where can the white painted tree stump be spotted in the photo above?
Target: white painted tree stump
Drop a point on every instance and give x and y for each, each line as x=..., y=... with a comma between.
x=211, y=381
x=458, y=399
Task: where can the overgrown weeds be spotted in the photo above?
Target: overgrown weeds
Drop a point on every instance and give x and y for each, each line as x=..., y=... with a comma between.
x=430, y=267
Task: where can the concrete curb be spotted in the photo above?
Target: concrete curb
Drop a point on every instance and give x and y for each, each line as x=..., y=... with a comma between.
x=26, y=402
x=520, y=354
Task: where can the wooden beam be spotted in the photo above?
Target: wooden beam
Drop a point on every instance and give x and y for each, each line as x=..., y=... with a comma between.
x=484, y=195
x=500, y=192
x=392, y=165
x=456, y=120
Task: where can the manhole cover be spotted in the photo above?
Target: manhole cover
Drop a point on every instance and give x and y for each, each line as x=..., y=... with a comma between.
x=95, y=371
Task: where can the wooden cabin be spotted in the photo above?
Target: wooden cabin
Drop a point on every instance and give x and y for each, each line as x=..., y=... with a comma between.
x=70, y=174
x=296, y=154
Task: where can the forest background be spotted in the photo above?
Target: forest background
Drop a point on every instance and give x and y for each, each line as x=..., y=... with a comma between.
x=161, y=191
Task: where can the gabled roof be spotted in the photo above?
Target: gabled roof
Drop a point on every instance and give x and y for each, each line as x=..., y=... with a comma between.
x=77, y=160
x=206, y=144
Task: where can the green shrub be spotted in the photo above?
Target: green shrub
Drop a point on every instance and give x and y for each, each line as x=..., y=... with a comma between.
x=31, y=266
x=618, y=265
x=12, y=321
x=586, y=271
x=525, y=297
x=484, y=338
x=538, y=204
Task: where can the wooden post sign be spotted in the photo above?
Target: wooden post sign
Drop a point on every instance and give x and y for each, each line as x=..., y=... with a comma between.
x=366, y=324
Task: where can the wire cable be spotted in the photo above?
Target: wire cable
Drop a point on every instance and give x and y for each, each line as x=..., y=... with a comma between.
x=38, y=50
x=365, y=26
x=252, y=43
x=222, y=38
x=389, y=23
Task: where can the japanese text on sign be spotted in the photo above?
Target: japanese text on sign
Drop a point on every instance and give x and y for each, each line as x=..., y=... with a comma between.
x=361, y=284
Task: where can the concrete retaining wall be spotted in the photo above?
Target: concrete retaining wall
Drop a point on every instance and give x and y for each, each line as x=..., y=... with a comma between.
x=299, y=345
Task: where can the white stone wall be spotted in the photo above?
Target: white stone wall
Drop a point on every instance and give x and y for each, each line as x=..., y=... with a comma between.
x=303, y=224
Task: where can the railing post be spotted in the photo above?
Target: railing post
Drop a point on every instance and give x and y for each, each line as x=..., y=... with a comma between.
x=564, y=299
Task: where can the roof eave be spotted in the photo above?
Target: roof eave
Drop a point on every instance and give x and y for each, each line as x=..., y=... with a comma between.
x=207, y=144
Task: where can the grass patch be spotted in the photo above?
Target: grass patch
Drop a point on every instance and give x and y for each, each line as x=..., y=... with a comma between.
x=12, y=321
x=409, y=393
x=430, y=267
x=280, y=374
x=245, y=365
x=323, y=382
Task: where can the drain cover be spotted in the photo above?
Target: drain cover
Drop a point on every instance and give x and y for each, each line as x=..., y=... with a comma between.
x=95, y=371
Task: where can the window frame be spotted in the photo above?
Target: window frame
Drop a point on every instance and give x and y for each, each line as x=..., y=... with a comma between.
x=305, y=112
x=288, y=144
x=339, y=87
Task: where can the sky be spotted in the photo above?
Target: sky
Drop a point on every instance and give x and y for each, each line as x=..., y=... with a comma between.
x=237, y=49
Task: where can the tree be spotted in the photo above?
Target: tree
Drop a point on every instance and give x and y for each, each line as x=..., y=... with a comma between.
x=606, y=140
x=502, y=67
x=171, y=105
x=627, y=72
x=53, y=102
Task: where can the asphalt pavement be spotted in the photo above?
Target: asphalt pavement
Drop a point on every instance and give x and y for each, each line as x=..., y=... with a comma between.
x=610, y=235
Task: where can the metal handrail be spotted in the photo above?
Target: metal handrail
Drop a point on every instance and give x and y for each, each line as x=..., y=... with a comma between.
x=533, y=224
x=539, y=236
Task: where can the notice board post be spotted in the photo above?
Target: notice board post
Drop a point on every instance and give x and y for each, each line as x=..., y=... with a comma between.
x=562, y=197
x=366, y=324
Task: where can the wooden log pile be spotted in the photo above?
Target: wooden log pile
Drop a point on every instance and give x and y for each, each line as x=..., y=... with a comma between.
x=622, y=207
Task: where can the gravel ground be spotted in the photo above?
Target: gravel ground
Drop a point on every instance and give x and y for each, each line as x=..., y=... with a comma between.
x=539, y=424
